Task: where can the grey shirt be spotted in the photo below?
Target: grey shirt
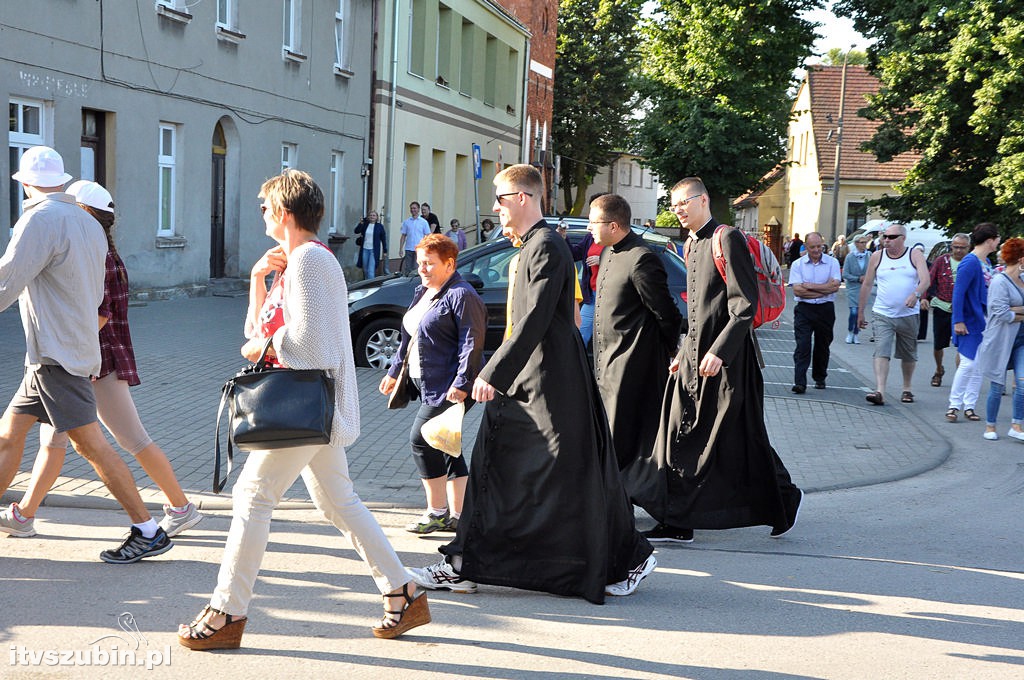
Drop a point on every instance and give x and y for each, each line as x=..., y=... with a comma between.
x=55, y=265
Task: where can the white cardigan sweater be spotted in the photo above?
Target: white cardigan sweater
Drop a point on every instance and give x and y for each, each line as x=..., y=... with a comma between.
x=316, y=332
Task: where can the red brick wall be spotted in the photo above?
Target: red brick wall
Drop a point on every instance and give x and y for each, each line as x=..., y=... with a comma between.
x=541, y=17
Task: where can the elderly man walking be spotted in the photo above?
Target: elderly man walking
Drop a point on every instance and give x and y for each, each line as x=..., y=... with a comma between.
x=902, y=276
x=940, y=299
x=815, y=280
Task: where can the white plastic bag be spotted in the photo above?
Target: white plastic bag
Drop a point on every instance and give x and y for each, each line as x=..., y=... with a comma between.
x=444, y=431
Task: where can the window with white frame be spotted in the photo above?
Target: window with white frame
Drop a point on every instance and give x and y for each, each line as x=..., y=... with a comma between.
x=167, y=160
x=175, y=10
x=337, y=191
x=289, y=156
x=342, y=37
x=27, y=129
x=293, y=27
x=226, y=16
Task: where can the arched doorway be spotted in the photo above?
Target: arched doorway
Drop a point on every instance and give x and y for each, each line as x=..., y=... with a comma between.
x=217, y=191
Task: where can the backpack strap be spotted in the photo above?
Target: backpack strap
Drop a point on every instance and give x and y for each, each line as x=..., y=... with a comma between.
x=716, y=250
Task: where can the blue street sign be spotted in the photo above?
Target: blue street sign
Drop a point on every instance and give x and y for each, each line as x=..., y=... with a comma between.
x=478, y=170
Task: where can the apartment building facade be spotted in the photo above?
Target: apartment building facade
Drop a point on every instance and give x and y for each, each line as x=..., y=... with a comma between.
x=183, y=109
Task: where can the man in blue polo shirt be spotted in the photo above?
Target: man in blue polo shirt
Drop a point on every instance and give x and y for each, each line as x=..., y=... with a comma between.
x=815, y=279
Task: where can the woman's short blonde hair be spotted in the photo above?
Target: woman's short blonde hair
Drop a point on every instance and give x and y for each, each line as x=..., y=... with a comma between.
x=295, y=191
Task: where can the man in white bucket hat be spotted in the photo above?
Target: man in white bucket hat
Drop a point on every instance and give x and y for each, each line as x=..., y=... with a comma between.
x=54, y=265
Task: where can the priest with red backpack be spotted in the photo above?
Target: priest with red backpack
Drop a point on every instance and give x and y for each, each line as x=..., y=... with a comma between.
x=712, y=466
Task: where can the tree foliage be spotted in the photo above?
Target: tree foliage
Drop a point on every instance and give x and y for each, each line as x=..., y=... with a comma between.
x=716, y=83
x=952, y=89
x=836, y=56
x=594, y=93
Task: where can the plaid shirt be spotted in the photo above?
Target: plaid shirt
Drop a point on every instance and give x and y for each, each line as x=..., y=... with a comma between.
x=115, y=340
x=942, y=277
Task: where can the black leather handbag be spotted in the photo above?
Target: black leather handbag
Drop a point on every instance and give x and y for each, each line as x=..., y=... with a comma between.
x=274, y=408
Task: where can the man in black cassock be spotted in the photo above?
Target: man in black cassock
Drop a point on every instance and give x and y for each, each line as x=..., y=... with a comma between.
x=712, y=466
x=636, y=328
x=545, y=508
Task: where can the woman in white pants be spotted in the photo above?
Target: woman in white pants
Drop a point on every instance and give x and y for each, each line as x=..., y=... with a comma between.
x=305, y=312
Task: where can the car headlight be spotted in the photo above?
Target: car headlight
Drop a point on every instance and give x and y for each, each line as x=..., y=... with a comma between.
x=356, y=295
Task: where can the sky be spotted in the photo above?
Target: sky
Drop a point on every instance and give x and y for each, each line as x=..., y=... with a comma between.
x=835, y=32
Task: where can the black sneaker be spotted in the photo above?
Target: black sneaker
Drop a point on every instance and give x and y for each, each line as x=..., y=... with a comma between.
x=819, y=385
x=798, y=389
x=136, y=547
x=664, y=533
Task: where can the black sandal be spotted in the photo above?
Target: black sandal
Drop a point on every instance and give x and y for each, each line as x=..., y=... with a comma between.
x=951, y=415
x=202, y=636
x=937, y=379
x=970, y=414
x=414, y=613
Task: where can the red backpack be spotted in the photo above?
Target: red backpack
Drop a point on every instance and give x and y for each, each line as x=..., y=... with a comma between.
x=771, y=287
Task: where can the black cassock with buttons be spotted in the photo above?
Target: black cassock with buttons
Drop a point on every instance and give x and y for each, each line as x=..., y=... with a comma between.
x=712, y=466
x=636, y=332
x=545, y=507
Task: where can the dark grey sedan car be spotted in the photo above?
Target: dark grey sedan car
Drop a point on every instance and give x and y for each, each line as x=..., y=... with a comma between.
x=376, y=306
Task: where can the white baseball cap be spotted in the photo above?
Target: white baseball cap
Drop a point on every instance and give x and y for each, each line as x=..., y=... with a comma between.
x=91, y=194
x=41, y=166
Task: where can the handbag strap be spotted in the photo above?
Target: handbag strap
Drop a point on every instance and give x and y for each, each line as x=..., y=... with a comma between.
x=225, y=396
x=218, y=485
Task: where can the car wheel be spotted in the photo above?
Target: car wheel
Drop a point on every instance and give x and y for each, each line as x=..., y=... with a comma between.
x=377, y=343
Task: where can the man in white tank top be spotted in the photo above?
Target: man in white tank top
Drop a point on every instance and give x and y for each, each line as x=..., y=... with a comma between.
x=902, y=277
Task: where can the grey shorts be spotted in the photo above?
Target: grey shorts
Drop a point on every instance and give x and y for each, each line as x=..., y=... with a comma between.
x=902, y=330
x=55, y=397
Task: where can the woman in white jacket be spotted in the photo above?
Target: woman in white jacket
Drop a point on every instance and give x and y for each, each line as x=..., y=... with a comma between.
x=305, y=312
x=1002, y=345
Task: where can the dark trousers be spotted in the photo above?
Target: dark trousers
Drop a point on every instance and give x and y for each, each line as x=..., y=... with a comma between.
x=812, y=324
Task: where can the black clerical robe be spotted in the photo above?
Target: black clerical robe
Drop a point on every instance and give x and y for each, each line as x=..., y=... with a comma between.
x=636, y=333
x=712, y=466
x=545, y=508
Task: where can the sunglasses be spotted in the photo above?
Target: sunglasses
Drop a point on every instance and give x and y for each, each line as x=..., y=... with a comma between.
x=892, y=236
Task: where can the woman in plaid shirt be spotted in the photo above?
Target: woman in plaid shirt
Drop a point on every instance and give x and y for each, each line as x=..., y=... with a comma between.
x=114, y=404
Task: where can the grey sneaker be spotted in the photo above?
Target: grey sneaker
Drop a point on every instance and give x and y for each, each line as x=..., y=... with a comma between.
x=428, y=523
x=137, y=546
x=441, y=576
x=174, y=523
x=10, y=524
x=636, y=574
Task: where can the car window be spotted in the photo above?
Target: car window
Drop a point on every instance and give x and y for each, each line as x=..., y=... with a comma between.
x=492, y=268
x=675, y=269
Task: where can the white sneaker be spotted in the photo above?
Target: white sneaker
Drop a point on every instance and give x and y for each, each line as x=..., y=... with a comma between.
x=176, y=522
x=441, y=576
x=636, y=574
x=1014, y=434
x=856, y=339
x=849, y=338
x=991, y=436
x=10, y=524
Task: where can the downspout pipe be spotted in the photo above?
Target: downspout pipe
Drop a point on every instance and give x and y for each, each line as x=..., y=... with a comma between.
x=389, y=178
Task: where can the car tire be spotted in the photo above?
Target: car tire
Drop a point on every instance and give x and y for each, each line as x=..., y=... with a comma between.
x=378, y=342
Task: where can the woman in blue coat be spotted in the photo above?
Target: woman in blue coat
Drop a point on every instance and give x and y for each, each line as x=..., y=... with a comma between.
x=970, y=299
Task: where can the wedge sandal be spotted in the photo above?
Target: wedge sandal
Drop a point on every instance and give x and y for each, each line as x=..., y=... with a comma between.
x=201, y=636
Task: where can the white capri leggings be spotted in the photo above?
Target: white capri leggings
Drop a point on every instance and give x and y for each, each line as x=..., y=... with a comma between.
x=116, y=410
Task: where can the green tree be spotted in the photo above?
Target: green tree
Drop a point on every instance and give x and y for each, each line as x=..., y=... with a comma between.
x=952, y=89
x=836, y=55
x=717, y=81
x=594, y=93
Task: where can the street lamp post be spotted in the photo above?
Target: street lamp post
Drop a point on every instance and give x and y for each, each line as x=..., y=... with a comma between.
x=839, y=149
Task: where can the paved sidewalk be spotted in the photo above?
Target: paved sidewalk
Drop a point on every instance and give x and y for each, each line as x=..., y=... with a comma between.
x=829, y=438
